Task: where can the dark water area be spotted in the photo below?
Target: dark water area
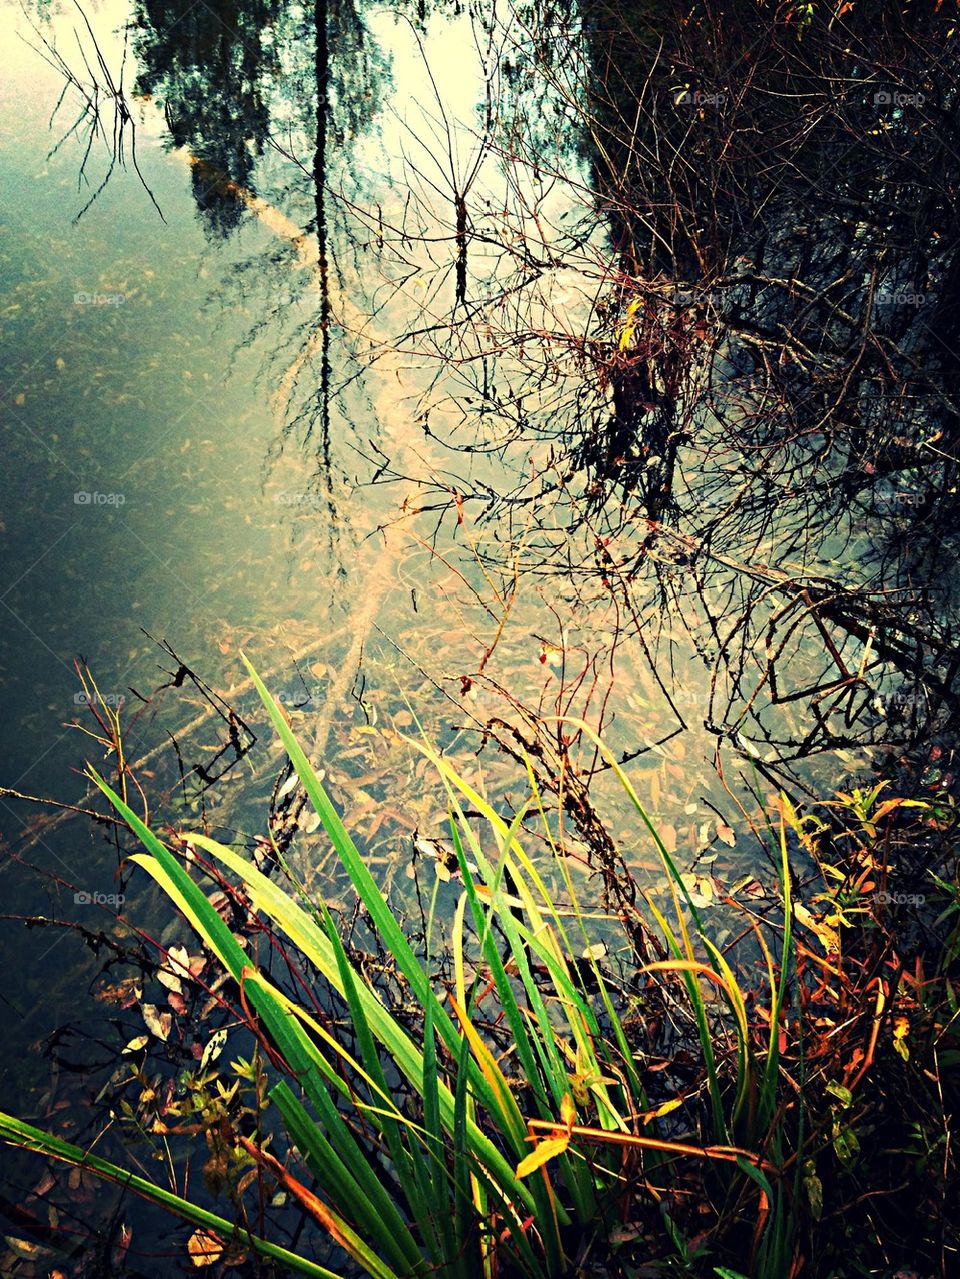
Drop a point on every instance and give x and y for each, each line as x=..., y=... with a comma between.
x=373, y=342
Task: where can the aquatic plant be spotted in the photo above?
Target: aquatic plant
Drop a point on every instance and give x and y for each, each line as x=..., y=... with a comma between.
x=507, y=1127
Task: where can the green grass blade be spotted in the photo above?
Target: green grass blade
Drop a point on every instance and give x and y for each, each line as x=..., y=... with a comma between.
x=390, y=1125
x=305, y=933
x=26, y=1137
x=199, y=911
x=436, y=1166
x=355, y=1191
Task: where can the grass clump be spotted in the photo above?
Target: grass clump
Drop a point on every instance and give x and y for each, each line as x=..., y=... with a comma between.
x=504, y=1126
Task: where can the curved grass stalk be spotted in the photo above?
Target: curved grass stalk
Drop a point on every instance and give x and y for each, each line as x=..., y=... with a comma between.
x=26, y=1137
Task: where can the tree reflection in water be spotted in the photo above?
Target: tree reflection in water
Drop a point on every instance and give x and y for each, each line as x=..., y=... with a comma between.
x=676, y=294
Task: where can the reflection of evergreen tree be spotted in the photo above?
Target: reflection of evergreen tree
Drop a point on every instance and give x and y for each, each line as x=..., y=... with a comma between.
x=232, y=73
x=207, y=65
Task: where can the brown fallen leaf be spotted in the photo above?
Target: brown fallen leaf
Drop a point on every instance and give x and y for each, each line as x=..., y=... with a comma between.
x=157, y=1022
x=125, y=993
x=205, y=1248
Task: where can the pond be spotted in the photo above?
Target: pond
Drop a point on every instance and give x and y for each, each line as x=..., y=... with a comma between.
x=317, y=333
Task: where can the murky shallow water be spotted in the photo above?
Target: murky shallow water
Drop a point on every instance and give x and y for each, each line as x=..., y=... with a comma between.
x=188, y=454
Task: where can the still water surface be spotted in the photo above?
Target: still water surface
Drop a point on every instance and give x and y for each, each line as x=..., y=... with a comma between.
x=239, y=415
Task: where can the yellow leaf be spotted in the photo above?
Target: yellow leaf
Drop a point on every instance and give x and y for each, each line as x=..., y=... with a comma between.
x=22, y=1247
x=568, y=1111
x=630, y=327
x=484, y=893
x=665, y=1109
x=826, y=935
x=546, y=1150
x=889, y=805
x=205, y=1249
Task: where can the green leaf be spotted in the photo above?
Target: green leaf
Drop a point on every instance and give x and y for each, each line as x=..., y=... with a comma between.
x=846, y=1146
x=842, y=1094
x=814, y=1188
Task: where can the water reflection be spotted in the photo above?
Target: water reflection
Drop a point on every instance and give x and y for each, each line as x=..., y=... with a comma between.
x=619, y=372
x=211, y=69
x=480, y=355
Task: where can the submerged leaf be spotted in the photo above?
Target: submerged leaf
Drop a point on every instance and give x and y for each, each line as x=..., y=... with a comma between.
x=290, y=785
x=158, y=1023
x=205, y=1248
x=213, y=1048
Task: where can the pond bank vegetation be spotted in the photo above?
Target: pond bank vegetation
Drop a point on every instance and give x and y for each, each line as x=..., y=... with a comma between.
x=535, y=1087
